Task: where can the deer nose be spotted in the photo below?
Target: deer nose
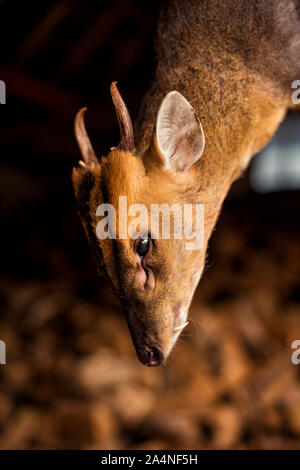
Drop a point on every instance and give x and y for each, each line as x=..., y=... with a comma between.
x=153, y=356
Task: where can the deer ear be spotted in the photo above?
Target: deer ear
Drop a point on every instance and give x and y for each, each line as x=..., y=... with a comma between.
x=179, y=133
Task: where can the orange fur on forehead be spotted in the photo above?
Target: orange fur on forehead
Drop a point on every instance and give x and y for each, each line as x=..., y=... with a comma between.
x=122, y=174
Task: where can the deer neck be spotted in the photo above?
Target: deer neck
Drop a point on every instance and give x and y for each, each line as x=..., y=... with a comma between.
x=239, y=114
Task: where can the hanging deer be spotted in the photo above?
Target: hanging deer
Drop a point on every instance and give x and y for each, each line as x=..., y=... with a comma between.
x=222, y=86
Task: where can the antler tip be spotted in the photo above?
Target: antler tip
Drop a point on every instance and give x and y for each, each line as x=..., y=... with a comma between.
x=126, y=129
x=81, y=111
x=83, y=140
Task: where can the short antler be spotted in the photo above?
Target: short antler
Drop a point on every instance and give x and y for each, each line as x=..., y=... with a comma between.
x=126, y=129
x=83, y=140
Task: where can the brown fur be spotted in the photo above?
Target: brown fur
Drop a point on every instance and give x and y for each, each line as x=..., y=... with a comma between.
x=235, y=62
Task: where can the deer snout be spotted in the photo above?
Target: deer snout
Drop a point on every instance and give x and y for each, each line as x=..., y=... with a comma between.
x=151, y=356
x=148, y=342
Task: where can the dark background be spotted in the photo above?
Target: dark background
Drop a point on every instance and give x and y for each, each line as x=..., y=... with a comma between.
x=72, y=379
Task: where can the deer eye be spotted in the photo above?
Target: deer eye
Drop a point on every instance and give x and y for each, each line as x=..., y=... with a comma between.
x=142, y=246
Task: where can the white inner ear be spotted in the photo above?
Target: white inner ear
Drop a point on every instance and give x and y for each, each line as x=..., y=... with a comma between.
x=179, y=132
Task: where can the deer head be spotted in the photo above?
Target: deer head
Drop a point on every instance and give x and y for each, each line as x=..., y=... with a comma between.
x=154, y=277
